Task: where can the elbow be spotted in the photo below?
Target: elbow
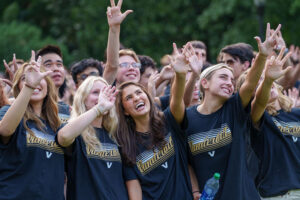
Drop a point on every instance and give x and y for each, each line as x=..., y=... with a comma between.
x=5, y=131
x=62, y=139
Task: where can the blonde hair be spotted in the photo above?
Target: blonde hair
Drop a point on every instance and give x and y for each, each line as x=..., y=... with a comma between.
x=129, y=52
x=209, y=72
x=49, y=107
x=109, y=121
x=285, y=102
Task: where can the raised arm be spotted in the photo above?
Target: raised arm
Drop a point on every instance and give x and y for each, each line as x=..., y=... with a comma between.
x=253, y=76
x=15, y=113
x=114, y=18
x=196, y=65
x=180, y=66
x=274, y=70
x=76, y=126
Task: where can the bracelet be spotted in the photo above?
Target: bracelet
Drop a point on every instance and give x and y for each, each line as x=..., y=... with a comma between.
x=98, y=112
x=29, y=86
x=195, y=191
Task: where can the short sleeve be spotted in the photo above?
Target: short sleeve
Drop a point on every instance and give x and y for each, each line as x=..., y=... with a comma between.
x=178, y=129
x=242, y=113
x=13, y=138
x=129, y=173
x=164, y=102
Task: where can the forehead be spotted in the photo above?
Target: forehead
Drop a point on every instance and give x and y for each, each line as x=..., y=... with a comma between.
x=126, y=58
x=223, y=71
x=130, y=90
x=51, y=57
x=88, y=70
x=98, y=85
x=149, y=70
x=226, y=57
x=200, y=50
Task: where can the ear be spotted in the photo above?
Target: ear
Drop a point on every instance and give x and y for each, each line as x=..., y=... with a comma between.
x=246, y=65
x=204, y=83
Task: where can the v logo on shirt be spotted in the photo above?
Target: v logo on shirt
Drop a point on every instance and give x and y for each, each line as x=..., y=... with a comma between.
x=48, y=154
x=165, y=165
x=211, y=153
x=295, y=139
x=108, y=164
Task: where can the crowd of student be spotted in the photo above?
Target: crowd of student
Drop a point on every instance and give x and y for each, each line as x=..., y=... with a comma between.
x=121, y=129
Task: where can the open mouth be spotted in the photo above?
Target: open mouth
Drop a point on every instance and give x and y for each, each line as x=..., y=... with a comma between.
x=140, y=106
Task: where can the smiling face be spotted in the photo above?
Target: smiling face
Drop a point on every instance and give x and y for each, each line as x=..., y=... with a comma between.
x=220, y=85
x=92, y=98
x=135, y=101
x=130, y=73
x=39, y=93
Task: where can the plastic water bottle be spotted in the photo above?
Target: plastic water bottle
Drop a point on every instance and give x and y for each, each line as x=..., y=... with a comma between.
x=211, y=188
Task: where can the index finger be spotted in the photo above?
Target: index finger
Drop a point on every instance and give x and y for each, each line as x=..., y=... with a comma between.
x=15, y=63
x=276, y=31
x=112, y=3
x=32, y=56
x=175, y=48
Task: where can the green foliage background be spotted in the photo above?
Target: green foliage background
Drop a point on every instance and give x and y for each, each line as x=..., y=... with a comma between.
x=80, y=27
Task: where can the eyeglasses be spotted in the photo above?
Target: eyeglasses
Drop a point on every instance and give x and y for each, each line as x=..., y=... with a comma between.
x=127, y=65
x=84, y=76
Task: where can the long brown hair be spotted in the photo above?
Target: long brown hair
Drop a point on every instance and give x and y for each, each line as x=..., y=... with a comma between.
x=49, y=107
x=3, y=98
x=127, y=136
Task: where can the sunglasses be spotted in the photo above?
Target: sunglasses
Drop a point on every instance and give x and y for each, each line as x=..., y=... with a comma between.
x=127, y=65
x=84, y=76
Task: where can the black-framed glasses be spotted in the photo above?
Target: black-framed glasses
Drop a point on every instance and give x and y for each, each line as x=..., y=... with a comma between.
x=127, y=65
x=84, y=76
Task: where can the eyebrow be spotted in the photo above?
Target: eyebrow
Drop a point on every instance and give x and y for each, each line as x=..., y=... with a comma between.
x=51, y=61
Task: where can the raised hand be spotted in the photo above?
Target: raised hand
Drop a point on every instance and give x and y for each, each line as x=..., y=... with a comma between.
x=269, y=44
x=178, y=60
x=274, y=66
x=11, y=70
x=33, y=73
x=152, y=82
x=106, y=100
x=114, y=14
x=295, y=57
x=294, y=95
x=167, y=73
x=195, y=62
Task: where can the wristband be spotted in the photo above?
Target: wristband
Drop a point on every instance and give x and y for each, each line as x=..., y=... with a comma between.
x=196, y=191
x=99, y=110
x=29, y=86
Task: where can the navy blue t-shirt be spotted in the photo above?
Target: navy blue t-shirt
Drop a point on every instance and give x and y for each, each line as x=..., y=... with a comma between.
x=164, y=102
x=277, y=144
x=163, y=173
x=95, y=173
x=63, y=112
x=217, y=144
x=31, y=166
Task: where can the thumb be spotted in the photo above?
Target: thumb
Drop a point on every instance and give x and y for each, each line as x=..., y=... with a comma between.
x=286, y=70
x=127, y=12
x=258, y=40
x=44, y=74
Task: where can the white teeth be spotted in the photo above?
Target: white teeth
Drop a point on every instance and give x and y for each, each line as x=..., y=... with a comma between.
x=139, y=104
x=36, y=90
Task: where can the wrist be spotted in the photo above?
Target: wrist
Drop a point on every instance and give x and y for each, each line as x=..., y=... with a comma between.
x=115, y=28
x=196, y=191
x=29, y=86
